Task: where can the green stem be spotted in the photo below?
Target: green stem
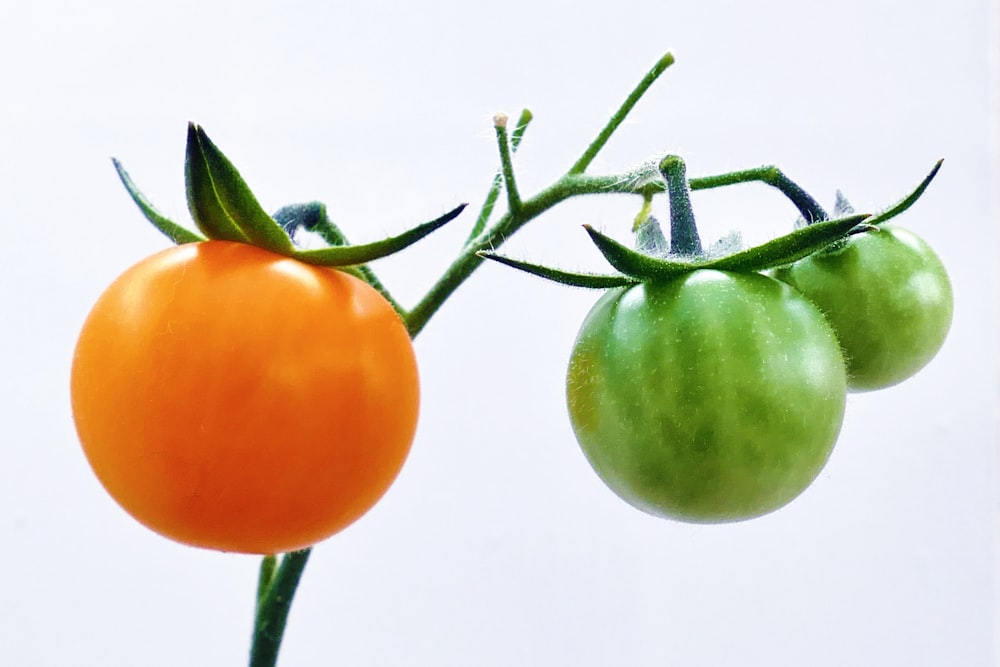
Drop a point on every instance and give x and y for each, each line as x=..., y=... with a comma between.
x=684, y=239
x=771, y=175
x=272, y=611
x=507, y=164
x=491, y=197
x=570, y=185
x=519, y=128
x=602, y=138
x=468, y=261
x=266, y=577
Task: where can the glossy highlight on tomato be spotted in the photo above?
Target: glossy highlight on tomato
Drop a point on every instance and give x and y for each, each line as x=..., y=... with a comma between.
x=887, y=296
x=710, y=397
x=238, y=400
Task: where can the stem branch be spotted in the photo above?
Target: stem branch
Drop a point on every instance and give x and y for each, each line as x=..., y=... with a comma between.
x=771, y=175
x=491, y=197
x=602, y=138
x=506, y=164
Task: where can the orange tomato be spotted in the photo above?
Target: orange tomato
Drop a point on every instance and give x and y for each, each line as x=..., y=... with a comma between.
x=234, y=399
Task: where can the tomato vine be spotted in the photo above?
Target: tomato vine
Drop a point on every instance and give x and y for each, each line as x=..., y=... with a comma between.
x=224, y=208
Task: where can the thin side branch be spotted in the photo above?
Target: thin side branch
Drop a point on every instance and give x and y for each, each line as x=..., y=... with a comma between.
x=491, y=197
x=619, y=116
x=507, y=164
x=771, y=175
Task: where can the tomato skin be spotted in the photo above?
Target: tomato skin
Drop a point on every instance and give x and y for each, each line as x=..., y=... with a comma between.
x=888, y=298
x=234, y=399
x=711, y=397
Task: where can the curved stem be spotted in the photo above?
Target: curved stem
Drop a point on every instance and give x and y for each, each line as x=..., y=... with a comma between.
x=273, y=607
x=771, y=175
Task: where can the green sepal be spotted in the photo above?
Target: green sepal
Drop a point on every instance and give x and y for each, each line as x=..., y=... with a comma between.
x=345, y=255
x=634, y=263
x=171, y=229
x=649, y=238
x=907, y=201
x=783, y=250
x=203, y=201
x=791, y=247
x=239, y=202
x=587, y=280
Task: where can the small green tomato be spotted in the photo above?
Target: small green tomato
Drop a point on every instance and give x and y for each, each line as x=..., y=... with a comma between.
x=888, y=298
x=710, y=397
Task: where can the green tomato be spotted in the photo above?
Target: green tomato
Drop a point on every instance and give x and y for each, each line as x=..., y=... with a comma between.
x=888, y=298
x=710, y=397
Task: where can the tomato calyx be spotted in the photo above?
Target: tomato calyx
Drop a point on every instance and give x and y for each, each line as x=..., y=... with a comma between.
x=777, y=252
x=224, y=207
x=654, y=259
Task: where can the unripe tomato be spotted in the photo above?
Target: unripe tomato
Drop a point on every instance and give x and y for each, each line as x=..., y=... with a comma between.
x=888, y=298
x=234, y=399
x=710, y=397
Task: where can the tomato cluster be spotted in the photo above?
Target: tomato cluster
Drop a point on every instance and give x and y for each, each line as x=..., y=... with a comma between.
x=717, y=396
x=235, y=399
x=241, y=394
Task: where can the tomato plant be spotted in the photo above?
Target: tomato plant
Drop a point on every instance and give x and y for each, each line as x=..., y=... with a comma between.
x=713, y=396
x=888, y=298
x=231, y=398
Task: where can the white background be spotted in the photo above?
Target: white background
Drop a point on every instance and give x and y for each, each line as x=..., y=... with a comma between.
x=498, y=546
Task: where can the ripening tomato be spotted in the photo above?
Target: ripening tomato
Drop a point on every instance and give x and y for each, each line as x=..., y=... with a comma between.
x=709, y=397
x=888, y=298
x=234, y=399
